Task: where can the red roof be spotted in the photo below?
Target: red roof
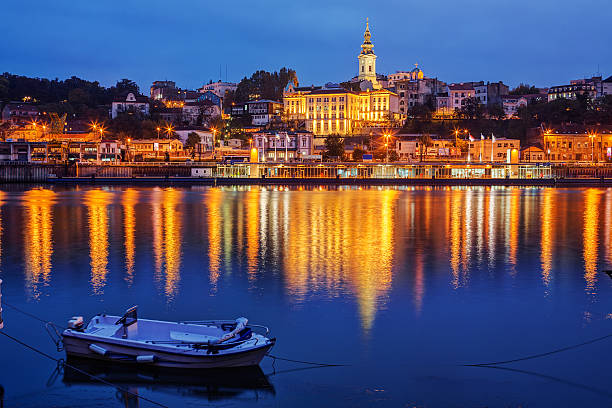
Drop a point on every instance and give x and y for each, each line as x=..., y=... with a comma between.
x=461, y=87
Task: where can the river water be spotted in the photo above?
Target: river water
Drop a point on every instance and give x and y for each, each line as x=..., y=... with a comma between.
x=403, y=285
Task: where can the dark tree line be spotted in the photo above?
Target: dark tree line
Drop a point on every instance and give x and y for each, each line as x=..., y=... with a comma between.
x=264, y=85
x=71, y=95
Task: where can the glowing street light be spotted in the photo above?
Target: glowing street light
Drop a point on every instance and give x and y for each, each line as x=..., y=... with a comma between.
x=169, y=130
x=592, y=136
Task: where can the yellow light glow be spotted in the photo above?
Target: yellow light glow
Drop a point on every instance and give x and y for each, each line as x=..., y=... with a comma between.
x=96, y=202
x=38, y=238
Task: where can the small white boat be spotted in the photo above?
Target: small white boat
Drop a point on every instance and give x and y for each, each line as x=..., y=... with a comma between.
x=201, y=344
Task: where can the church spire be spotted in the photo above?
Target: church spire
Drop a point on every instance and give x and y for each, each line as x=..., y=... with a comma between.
x=367, y=46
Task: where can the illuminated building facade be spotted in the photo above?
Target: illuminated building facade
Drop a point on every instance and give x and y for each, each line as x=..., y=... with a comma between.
x=130, y=103
x=283, y=146
x=578, y=147
x=337, y=110
x=499, y=150
x=343, y=112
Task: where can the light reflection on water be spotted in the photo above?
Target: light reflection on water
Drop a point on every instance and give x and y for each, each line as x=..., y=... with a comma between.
x=130, y=198
x=97, y=202
x=327, y=243
x=38, y=246
x=368, y=258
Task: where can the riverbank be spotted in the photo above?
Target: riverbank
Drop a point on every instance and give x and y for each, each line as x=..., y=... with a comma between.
x=402, y=174
x=567, y=182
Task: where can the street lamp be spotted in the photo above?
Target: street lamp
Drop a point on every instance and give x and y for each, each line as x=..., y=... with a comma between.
x=275, y=146
x=592, y=137
x=387, y=136
x=169, y=130
x=158, y=129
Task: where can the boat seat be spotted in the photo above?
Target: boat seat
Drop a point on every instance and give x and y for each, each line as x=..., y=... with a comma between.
x=192, y=337
x=104, y=331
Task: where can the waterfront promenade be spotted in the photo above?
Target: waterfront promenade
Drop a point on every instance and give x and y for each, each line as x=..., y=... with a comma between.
x=348, y=173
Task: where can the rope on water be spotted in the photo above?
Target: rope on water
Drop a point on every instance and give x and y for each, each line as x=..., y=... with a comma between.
x=494, y=363
x=33, y=316
x=92, y=376
x=306, y=362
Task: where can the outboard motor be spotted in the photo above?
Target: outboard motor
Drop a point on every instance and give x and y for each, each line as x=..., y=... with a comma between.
x=76, y=323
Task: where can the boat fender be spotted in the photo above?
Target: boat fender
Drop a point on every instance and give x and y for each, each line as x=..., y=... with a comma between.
x=146, y=359
x=98, y=350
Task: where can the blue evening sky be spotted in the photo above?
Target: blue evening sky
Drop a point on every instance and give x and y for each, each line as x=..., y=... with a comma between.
x=542, y=42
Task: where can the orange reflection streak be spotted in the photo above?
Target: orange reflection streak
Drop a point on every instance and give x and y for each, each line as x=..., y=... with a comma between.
x=349, y=244
x=156, y=218
x=38, y=238
x=514, y=227
x=480, y=223
x=608, y=237
x=547, y=225
x=491, y=226
x=252, y=229
x=172, y=240
x=591, y=220
x=419, y=282
x=130, y=198
x=96, y=202
x=214, y=199
x=455, y=235
x=468, y=226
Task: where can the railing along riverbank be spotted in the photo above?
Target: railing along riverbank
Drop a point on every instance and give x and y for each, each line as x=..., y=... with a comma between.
x=295, y=173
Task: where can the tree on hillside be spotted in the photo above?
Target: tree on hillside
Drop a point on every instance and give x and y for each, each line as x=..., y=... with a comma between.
x=524, y=89
x=424, y=142
x=192, y=140
x=334, y=146
x=496, y=111
x=264, y=85
x=358, y=154
x=126, y=85
x=472, y=109
x=422, y=112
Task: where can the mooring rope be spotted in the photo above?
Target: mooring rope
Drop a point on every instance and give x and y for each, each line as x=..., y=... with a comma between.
x=540, y=354
x=33, y=316
x=92, y=376
x=306, y=362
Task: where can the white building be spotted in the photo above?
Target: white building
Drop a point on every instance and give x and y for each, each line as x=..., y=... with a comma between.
x=458, y=93
x=264, y=111
x=606, y=86
x=367, y=60
x=283, y=146
x=511, y=104
x=219, y=88
x=130, y=103
x=207, y=138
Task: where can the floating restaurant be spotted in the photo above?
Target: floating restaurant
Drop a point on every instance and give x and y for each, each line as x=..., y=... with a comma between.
x=387, y=171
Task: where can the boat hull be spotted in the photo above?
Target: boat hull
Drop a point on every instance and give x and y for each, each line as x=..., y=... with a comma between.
x=77, y=346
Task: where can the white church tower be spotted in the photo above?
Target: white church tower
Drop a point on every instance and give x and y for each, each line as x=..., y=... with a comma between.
x=367, y=59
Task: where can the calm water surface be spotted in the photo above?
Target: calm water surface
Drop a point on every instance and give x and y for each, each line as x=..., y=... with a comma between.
x=402, y=284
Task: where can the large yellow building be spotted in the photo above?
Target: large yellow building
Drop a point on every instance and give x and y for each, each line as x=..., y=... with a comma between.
x=336, y=110
x=578, y=147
